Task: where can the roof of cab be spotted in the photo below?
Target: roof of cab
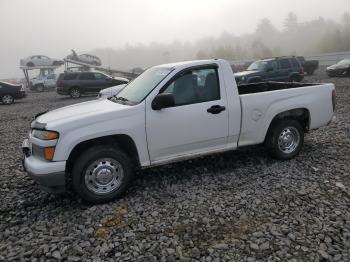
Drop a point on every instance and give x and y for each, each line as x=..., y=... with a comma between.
x=189, y=63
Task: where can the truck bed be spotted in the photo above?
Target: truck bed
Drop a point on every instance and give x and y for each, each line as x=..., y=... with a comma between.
x=260, y=102
x=269, y=86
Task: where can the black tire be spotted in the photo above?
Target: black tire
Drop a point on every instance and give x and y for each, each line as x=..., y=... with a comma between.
x=278, y=131
x=39, y=88
x=98, y=154
x=75, y=92
x=7, y=99
x=30, y=64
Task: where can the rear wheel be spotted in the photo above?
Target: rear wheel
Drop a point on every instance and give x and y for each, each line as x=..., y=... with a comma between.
x=102, y=174
x=7, y=99
x=75, y=92
x=285, y=139
x=30, y=64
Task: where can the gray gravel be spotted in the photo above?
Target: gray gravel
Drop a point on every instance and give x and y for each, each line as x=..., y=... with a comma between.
x=237, y=206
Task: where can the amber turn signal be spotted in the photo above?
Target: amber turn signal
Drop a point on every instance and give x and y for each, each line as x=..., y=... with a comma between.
x=49, y=153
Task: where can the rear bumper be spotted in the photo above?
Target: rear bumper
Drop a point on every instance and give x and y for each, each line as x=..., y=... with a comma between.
x=50, y=175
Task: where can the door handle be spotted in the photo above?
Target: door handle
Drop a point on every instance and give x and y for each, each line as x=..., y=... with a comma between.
x=216, y=109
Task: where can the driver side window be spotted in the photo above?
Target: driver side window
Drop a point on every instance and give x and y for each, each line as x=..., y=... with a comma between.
x=195, y=86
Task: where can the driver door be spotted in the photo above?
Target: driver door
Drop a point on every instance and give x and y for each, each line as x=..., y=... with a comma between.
x=191, y=126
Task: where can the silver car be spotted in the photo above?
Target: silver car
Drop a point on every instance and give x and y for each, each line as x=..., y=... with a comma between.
x=85, y=58
x=40, y=60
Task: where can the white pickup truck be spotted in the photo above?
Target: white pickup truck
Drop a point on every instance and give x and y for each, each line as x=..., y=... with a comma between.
x=169, y=113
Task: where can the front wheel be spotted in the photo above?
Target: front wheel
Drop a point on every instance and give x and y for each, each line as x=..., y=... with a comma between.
x=285, y=139
x=7, y=99
x=102, y=174
x=75, y=92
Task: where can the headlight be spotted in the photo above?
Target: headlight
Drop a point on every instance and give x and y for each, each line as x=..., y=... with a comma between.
x=43, y=152
x=243, y=78
x=45, y=135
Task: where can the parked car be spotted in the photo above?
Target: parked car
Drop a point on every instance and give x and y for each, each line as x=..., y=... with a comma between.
x=76, y=84
x=167, y=114
x=42, y=83
x=309, y=66
x=40, y=60
x=342, y=68
x=9, y=92
x=85, y=58
x=282, y=69
x=110, y=91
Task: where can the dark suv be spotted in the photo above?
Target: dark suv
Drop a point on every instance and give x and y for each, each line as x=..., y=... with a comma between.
x=280, y=69
x=76, y=84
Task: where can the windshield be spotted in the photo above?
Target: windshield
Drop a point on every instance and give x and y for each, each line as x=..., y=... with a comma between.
x=141, y=86
x=344, y=62
x=257, y=66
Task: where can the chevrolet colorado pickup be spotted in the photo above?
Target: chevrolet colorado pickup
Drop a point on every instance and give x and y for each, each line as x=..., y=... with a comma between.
x=169, y=113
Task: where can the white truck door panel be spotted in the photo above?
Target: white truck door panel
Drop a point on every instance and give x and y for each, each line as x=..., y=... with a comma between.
x=187, y=129
x=183, y=130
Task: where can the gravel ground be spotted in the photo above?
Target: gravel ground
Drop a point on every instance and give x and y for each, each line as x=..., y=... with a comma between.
x=237, y=206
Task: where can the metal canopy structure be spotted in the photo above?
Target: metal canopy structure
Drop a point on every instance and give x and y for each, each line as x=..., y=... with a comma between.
x=69, y=65
x=86, y=67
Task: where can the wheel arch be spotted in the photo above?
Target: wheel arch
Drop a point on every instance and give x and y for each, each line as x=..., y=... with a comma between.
x=125, y=142
x=302, y=115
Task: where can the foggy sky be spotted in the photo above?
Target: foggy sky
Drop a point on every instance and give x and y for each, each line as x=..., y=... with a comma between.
x=53, y=27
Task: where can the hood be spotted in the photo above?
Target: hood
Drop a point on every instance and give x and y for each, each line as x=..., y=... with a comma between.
x=111, y=91
x=336, y=66
x=246, y=73
x=82, y=114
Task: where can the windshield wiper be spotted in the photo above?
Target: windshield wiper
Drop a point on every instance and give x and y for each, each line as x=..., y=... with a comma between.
x=121, y=98
x=116, y=98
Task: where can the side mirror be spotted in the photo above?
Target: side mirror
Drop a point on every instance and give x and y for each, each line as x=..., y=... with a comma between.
x=163, y=100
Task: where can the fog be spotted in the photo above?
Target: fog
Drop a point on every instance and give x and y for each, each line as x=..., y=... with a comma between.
x=175, y=29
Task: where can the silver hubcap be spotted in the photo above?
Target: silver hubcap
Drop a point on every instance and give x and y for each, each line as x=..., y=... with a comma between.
x=75, y=93
x=104, y=176
x=288, y=140
x=7, y=99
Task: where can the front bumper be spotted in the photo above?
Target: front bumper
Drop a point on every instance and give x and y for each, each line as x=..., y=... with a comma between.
x=50, y=175
x=62, y=91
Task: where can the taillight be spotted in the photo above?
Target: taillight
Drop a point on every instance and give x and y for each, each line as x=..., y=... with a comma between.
x=334, y=99
x=301, y=70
